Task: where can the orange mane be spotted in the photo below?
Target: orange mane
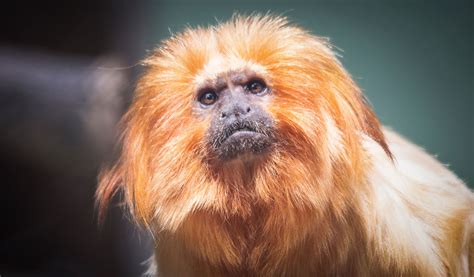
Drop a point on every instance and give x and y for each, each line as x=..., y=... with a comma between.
x=320, y=114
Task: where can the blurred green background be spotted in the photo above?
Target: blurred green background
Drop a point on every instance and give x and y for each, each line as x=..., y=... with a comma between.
x=413, y=59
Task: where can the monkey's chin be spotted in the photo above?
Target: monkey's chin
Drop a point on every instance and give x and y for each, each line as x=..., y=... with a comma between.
x=244, y=145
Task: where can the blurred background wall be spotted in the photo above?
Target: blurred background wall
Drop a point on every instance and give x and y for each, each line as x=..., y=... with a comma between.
x=67, y=71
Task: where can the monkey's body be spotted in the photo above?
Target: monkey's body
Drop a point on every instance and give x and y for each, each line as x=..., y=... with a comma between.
x=421, y=225
x=249, y=151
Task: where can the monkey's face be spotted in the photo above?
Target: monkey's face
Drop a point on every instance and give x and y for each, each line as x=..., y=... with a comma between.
x=235, y=105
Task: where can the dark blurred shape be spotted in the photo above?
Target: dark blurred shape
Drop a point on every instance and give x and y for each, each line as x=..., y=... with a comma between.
x=58, y=125
x=65, y=80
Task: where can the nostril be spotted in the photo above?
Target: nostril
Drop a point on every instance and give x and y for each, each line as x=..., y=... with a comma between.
x=248, y=109
x=223, y=115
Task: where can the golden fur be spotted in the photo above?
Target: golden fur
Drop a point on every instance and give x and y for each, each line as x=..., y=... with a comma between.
x=337, y=196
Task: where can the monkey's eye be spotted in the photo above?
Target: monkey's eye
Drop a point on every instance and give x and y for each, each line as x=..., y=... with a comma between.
x=256, y=87
x=208, y=98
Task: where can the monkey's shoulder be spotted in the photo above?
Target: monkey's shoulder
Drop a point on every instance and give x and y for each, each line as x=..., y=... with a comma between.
x=424, y=213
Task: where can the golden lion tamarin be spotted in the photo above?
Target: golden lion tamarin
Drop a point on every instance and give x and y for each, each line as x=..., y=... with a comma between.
x=248, y=150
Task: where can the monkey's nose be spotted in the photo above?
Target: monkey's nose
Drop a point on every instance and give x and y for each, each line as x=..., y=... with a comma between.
x=235, y=110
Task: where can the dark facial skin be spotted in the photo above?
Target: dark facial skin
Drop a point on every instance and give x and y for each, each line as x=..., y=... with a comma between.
x=240, y=127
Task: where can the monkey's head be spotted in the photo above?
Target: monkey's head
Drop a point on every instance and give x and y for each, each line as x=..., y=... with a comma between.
x=250, y=112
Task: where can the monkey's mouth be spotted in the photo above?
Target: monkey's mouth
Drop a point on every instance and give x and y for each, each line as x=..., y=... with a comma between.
x=241, y=132
x=247, y=137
